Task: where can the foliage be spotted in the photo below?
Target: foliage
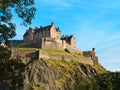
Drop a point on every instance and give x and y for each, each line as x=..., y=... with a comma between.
x=23, y=46
x=11, y=72
x=4, y=53
x=74, y=75
x=63, y=59
x=109, y=81
x=6, y=32
x=103, y=80
x=24, y=10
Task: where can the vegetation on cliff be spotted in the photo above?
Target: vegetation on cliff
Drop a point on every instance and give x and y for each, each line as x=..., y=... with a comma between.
x=48, y=74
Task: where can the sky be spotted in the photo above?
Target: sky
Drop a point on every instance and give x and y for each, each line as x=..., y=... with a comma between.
x=94, y=23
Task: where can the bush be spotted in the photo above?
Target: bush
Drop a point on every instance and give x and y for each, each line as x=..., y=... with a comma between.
x=4, y=53
x=63, y=59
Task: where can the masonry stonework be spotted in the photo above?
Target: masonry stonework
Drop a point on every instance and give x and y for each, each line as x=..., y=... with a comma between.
x=50, y=37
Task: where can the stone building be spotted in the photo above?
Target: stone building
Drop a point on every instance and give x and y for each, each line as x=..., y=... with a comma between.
x=70, y=40
x=28, y=36
x=49, y=37
x=43, y=32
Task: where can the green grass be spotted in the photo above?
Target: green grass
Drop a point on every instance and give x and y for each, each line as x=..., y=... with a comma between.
x=99, y=68
x=61, y=67
x=22, y=46
x=53, y=51
x=61, y=52
x=25, y=47
x=59, y=63
x=66, y=70
x=79, y=56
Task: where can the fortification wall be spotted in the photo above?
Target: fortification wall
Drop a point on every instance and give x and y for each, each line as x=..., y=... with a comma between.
x=51, y=43
x=31, y=53
x=67, y=57
x=92, y=55
x=57, y=44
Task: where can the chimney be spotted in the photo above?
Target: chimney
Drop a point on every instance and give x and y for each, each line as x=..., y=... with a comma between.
x=52, y=23
x=93, y=49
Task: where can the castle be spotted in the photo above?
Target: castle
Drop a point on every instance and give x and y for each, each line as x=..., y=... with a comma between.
x=50, y=37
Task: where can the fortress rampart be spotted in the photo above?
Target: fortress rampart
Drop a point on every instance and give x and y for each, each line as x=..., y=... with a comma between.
x=49, y=37
x=55, y=55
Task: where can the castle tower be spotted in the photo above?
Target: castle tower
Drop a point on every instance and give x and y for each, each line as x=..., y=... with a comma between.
x=54, y=32
x=28, y=36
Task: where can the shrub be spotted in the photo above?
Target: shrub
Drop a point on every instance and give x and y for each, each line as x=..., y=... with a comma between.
x=4, y=52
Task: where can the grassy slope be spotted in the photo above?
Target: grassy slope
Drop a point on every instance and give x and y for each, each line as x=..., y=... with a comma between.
x=73, y=75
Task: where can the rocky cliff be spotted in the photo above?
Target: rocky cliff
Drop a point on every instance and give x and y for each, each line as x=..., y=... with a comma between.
x=48, y=74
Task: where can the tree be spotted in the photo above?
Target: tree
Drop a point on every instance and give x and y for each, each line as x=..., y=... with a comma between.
x=23, y=8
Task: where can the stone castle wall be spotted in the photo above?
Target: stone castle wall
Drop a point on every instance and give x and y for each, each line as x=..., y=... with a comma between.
x=37, y=54
x=51, y=43
x=92, y=55
x=67, y=57
x=31, y=53
x=88, y=57
x=57, y=44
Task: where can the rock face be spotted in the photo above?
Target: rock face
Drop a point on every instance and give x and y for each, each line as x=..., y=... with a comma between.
x=44, y=74
x=57, y=75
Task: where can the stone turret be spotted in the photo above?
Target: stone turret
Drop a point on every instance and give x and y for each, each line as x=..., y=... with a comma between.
x=92, y=55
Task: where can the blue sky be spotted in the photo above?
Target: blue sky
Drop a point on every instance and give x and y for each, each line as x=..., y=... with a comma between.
x=94, y=23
